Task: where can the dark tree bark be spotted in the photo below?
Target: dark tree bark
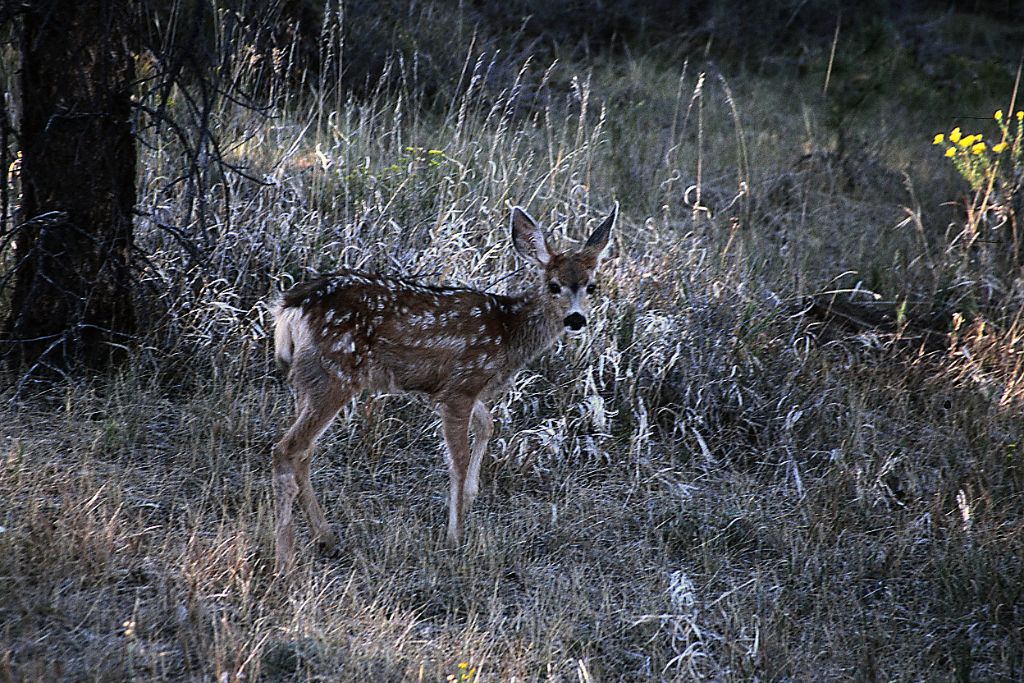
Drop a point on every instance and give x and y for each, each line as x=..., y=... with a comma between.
x=72, y=300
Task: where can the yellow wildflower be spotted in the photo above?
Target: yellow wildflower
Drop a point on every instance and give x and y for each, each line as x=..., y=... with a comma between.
x=938, y=139
x=951, y=152
x=999, y=147
x=967, y=141
x=998, y=115
x=954, y=136
x=978, y=148
x=1020, y=116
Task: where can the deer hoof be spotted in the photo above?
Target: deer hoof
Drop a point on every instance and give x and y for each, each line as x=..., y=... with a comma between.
x=329, y=546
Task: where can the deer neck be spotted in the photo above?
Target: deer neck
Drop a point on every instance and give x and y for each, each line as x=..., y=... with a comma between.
x=535, y=327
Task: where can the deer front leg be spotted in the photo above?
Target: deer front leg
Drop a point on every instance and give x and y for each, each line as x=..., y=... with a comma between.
x=483, y=428
x=455, y=425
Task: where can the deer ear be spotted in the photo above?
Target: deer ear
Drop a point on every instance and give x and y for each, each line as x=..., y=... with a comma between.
x=599, y=240
x=528, y=238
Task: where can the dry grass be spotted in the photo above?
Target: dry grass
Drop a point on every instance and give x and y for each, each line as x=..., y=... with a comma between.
x=703, y=488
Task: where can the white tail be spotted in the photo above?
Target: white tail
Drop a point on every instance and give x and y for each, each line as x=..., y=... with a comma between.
x=351, y=330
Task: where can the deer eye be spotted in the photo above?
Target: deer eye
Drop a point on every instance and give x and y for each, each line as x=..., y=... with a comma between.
x=591, y=288
x=554, y=288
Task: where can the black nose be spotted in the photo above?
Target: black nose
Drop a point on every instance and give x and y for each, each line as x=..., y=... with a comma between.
x=575, y=321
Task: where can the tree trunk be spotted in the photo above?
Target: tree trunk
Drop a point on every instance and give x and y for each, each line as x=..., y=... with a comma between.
x=72, y=301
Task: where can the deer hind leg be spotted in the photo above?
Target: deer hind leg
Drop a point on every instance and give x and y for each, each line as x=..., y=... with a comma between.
x=455, y=425
x=318, y=401
x=483, y=428
x=326, y=538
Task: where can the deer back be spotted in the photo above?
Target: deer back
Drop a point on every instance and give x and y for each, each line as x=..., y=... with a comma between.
x=395, y=334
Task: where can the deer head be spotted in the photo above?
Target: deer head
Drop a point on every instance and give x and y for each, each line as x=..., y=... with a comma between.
x=567, y=278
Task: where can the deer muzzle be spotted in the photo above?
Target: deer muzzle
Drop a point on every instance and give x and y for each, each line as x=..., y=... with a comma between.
x=575, y=321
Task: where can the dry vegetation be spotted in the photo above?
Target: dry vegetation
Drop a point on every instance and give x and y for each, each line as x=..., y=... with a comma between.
x=712, y=485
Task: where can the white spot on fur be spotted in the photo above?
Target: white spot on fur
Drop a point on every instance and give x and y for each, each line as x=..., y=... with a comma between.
x=427, y=318
x=444, y=341
x=344, y=343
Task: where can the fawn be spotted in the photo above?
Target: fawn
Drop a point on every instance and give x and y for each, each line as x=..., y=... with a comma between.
x=350, y=330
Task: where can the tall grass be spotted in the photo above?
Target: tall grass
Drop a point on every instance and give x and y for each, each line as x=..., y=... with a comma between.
x=708, y=486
